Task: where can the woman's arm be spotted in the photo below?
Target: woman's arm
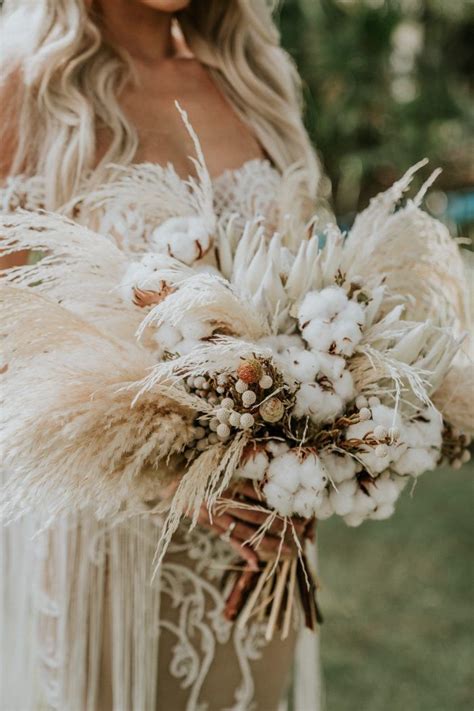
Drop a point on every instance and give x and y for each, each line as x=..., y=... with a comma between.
x=9, y=108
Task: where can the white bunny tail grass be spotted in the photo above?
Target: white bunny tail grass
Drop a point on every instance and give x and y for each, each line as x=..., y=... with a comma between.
x=417, y=258
x=454, y=396
x=204, y=482
x=70, y=435
x=208, y=299
x=79, y=268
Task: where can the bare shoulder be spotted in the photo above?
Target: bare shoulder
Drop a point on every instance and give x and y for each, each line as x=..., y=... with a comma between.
x=226, y=140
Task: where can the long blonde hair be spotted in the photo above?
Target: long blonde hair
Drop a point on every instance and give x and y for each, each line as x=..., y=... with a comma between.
x=71, y=78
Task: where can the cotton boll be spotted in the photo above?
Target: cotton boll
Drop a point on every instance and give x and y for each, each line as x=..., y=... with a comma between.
x=344, y=386
x=254, y=466
x=353, y=312
x=312, y=473
x=424, y=430
x=302, y=365
x=276, y=448
x=187, y=345
x=346, y=335
x=332, y=366
x=383, y=490
x=342, y=499
x=195, y=329
x=339, y=467
x=282, y=342
x=304, y=503
x=382, y=512
x=318, y=404
x=324, y=304
x=284, y=471
x=167, y=337
x=324, y=510
x=318, y=334
x=362, y=503
x=416, y=461
x=278, y=498
x=184, y=238
x=354, y=519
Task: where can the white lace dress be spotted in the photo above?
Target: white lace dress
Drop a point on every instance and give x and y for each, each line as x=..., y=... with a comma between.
x=85, y=627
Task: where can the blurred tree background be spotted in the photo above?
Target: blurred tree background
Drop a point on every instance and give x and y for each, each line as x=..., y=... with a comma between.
x=388, y=82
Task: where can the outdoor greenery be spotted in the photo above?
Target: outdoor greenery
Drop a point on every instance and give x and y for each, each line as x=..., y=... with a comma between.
x=397, y=599
x=387, y=82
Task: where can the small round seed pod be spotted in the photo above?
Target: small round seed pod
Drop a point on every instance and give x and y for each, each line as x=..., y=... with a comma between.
x=220, y=389
x=394, y=434
x=221, y=379
x=272, y=410
x=364, y=414
x=361, y=401
x=241, y=387
x=223, y=431
x=190, y=382
x=228, y=403
x=265, y=382
x=247, y=420
x=374, y=401
x=202, y=444
x=466, y=456
x=213, y=438
x=222, y=414
x=199, y=432
x=381, y=450
x=199, y=382
x=456, y=464
x=213, y=399
x=234, y=419
x=250, y=371
x=214, y=424
x=206, y=385
x=248, y=398
x=380, y=432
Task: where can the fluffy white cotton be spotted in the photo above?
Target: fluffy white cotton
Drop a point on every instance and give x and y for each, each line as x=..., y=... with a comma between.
x=141, y=274
x=344, y=386
x=296, y=483
x=300, y=364
x=382, y=512
x=423, y=437
x=255, y=465
x=317, y=403
x=385, y=416
x=342, y=498
x=312, y=473
x=340, y=467
x=362, y=503
x=281, y=342
x=184, y=238
x=167, y=337
x=187, y=345
x=305, y=502
x=383, y=490
x=324, y=305
x=275, y=448
x=284, y=471
x=354, y=519
x=327, y=318
x=324, y=509
x=278, y=498
x=332, y=366
x=195, y=329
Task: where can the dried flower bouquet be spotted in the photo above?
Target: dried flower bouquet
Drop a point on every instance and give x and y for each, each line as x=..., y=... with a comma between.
x=317, y=372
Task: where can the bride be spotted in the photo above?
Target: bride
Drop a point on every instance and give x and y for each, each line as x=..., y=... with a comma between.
x=88, y=94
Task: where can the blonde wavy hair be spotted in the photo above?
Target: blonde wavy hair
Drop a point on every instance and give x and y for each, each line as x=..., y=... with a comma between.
x=70, y=79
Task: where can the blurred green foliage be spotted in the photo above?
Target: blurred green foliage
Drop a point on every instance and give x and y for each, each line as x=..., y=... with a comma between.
x=397, y=600
x=387, y=82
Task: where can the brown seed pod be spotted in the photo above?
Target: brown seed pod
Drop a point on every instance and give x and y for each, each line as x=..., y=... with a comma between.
x=272, y=410
x=250, y=371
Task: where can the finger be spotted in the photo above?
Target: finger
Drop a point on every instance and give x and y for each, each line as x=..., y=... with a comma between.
x=248, y=554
